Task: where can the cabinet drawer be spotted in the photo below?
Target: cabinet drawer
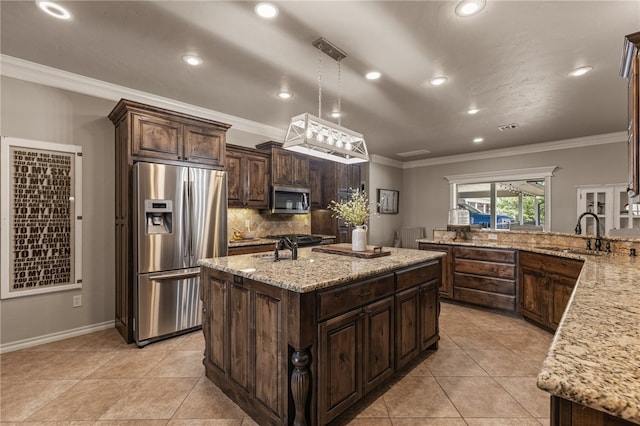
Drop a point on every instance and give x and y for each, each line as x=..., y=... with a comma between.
x=488, y=269
x=492, y=285
x=483, y=298
x=413, y=276
x=491, y=255
x=343, y=299
x=552, y=264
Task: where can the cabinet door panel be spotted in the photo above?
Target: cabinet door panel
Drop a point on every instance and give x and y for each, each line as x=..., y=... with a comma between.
x=215, y=294
x=235, y=181
x=533, y=290
x=340, y=366
x=240, y=339
x=488, y=269
x=155, y=137
x=300, y=171
x=257, y=195
x=378, y=343
x=268, y=357
x=561, y=288
x=428, y=314
x=282, y=163
x=203, y=146
x=407, y=311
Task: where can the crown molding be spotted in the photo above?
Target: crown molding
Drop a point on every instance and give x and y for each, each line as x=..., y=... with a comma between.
x=581, y=142
x=379, y=159
x=48, y=76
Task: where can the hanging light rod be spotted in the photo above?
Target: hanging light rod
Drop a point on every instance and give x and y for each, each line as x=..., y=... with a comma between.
x=329, y=49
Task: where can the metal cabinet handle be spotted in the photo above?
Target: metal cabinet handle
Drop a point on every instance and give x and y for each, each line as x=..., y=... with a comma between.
x=364, y=293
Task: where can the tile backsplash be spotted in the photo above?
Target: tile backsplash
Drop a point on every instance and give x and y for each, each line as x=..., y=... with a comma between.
x=267, y=224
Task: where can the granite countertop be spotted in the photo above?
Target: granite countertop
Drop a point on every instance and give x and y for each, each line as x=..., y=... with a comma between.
x=313, y=270
x=594, y=358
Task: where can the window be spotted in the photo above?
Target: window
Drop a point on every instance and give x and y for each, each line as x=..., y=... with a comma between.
x=514, y=199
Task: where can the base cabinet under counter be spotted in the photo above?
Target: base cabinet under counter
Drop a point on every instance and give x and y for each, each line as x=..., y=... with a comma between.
x=568, y=413
x=546, y=283
x=304, y=358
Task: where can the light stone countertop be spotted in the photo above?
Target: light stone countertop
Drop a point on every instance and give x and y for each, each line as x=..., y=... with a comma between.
x=594, y=358
x=313, y=270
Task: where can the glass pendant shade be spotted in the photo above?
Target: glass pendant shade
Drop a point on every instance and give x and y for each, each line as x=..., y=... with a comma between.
x=314, y=136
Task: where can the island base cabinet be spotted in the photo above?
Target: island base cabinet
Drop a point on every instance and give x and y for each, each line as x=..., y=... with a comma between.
x=356, y=355
x=245, y=352
x=568, y=413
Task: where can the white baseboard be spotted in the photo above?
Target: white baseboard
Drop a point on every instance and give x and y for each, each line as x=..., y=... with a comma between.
x=54, y=337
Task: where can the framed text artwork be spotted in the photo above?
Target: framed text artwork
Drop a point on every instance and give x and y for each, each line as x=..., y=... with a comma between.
x=41, y=214
x=388, y=201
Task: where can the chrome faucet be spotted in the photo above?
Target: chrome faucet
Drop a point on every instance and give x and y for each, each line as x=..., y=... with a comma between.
x=285, y=242
x=579, y=228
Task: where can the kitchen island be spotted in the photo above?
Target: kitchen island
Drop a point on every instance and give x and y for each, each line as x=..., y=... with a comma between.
x=300, y=341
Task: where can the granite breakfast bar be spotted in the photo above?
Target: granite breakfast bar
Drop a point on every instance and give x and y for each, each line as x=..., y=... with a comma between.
x=300, y=341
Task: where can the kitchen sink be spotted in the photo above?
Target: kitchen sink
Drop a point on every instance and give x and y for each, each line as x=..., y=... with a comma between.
x=269, y=256
x=574, y=250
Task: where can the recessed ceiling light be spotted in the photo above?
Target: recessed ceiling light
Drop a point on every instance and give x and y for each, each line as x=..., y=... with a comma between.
x=438, y=81
x=54, y=9
x=336, y=114
x=580, y=71
x=473, y=111
x=469, y=7
x=266, y=10
x=283, y=94
x=373, y=75
x=478, y=140
x=192, y=59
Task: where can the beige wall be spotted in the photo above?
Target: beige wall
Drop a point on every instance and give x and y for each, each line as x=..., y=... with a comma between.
x=32, y=111
x=382, y=226
x=425, y=191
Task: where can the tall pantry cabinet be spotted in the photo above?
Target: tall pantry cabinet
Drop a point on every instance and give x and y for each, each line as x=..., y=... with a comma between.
x=151, y=134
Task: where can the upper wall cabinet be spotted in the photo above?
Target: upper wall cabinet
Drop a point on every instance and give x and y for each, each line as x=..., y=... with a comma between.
x=631, y=69
x=159, y=135
x=287, y=168
x=248, y=177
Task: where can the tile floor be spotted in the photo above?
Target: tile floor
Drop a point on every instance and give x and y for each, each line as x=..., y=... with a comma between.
x=483, y=374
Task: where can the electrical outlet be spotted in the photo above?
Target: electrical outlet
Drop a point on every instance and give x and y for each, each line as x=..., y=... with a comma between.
x=77, y=300
x=306, y=222
x=247, y=223
x=492, y=236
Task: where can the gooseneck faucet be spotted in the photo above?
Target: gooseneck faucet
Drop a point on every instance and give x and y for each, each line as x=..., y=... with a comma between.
x=579, y=228
x=285, y=242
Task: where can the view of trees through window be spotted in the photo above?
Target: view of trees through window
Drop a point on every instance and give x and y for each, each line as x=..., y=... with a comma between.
x=504, y=205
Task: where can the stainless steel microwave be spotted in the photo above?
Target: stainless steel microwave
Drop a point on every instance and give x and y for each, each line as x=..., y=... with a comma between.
x=289, y=200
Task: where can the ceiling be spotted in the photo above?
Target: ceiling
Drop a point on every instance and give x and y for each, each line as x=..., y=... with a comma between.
x=511, y=61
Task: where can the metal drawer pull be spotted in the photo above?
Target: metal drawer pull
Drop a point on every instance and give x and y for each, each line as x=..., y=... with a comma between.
x=364, y=293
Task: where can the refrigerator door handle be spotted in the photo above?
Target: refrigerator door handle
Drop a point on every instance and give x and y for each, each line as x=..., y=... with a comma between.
x=186, y=219
x=175, y=275
x=191, y=218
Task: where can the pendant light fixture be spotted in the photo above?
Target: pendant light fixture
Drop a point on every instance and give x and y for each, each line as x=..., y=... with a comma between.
x=321, y=138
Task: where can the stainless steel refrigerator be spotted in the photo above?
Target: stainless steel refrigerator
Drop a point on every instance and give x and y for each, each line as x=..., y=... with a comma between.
x=180, y=217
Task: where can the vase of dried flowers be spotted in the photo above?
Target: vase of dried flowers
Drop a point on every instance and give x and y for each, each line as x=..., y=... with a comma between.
x=354, y=211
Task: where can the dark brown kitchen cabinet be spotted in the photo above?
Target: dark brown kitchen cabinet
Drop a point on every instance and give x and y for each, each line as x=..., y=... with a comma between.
x=631, y=69
x=446, y=284
x=417, y=310
x=356, y=346
x=148, y=133
x=356, y=355
x=255, y=316
x=288, y=168
x=160, y=135
x=485, y=276
x=247, y=178
x=546, y=284
x=569, y=413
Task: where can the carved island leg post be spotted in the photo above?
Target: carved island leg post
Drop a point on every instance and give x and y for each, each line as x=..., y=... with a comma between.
x=302, y=327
